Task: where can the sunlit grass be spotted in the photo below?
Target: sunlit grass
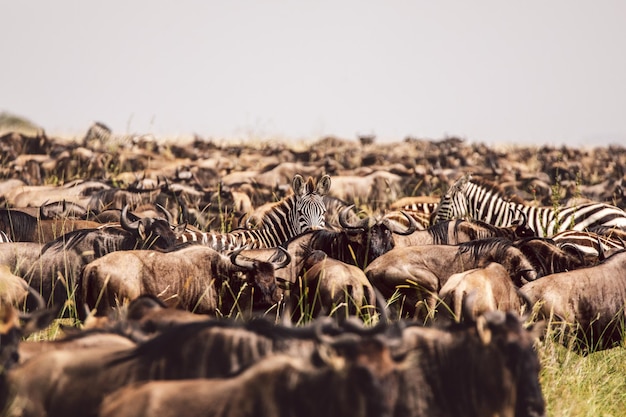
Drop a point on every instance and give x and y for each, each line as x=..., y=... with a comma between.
x=577, y=385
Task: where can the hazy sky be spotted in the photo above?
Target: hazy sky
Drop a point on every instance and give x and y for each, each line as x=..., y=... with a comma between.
x=496, y=71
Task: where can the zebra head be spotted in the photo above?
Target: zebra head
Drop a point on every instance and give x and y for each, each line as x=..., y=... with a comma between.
x=454, y=204
x=309, y=210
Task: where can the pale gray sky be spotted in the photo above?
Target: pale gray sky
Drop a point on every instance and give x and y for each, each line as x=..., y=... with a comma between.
x=533, y=71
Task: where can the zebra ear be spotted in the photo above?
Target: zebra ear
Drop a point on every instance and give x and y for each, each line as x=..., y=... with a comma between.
x=323, y=185
x=298, y=184
x=461, y=182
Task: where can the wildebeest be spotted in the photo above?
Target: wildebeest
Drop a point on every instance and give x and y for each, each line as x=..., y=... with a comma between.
x=115, y=336
x=57, y=270
x=327, y=285
x=63, y=383
x=479, y=290
x=195, y=278
x=453, y=232
x=486, y=367
x=361, y=242
x=548, y=258
x=149, y=315
x=15, y=291
x=355, y=377
x=20, y=256
x=591, y=299
x=377, y=189
x=62, y=210
x=23, y=227
x=15, y=326
x=415, y=274
x=492, y=359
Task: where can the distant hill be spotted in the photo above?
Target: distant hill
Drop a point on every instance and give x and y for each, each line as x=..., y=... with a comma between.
x=13, y=123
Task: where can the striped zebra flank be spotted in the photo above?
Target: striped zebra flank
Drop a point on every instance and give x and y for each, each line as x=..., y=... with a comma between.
x=421, y=208
x=485, y=201
x=588, y=243
x=99, y=135
x=302, y=211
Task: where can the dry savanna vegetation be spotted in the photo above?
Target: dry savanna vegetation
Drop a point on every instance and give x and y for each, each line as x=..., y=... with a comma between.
x=216, y=185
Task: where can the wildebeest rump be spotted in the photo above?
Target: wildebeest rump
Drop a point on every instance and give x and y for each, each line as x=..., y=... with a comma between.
x=418, y=272
x=591, y=299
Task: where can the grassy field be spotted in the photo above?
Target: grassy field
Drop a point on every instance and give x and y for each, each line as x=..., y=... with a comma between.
x=573, y=384
x=577, y=385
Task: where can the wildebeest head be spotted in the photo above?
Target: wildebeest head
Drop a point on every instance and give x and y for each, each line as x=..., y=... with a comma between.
x=261, y=275
x=15, y=325
x=373, y=237
x=152, y=232
x=547, y=257
x=486, y=366
x=506, y=332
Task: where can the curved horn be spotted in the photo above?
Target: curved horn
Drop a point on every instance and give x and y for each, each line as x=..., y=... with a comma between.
x=284, y=262
x=410, y=228
x=246, y=263
x=323, y=323
x=40, y=302
x=343, y=220
x=127, y=224
x=42, y=213
x=166, y=213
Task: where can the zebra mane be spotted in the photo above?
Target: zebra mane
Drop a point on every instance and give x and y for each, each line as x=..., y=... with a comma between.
x=494, y=188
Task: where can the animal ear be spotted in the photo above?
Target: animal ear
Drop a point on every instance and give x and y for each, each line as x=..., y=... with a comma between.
x=141, y=229
x=461, y=182
x=298, y=184
x=323, y=185
x=483, y=330
x=180, y=229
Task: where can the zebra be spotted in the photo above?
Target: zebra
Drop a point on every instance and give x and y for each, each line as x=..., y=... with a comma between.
x=98, y=135
x=589, y=244
x=302, y=211
x=485, y=201
x=421, y=208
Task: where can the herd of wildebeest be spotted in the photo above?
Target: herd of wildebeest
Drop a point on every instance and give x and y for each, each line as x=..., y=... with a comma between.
x=334, y=278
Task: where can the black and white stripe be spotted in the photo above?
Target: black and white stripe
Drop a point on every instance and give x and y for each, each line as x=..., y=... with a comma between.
x=100, y=134
x=302, y=211
x=4, y=238
x=588, y=243
x=484, y=201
